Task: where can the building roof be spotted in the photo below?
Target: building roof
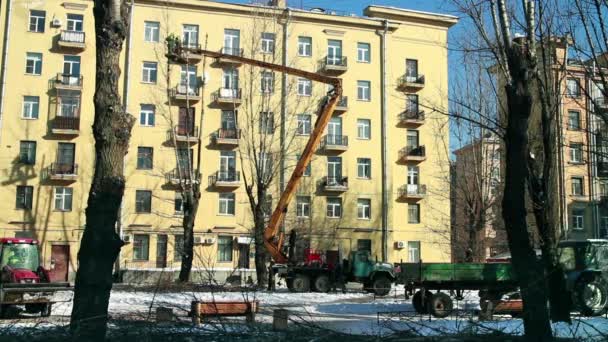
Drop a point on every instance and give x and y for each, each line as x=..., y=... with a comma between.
x=407, y=15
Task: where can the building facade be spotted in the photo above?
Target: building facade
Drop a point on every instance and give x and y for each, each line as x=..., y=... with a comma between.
x=379, y=180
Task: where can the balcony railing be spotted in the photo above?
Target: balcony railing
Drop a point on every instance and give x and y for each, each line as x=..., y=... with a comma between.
x=414, y=153
x=341, y=106
x=74, y=39
x=602, y=103
x=65, y=124
x=411, y=82
x=228, y=96
x=231, y=51
x=225, y=136
x=334, y=63
x=333, y=183
x=412, y=117
x=185, y=93
x=66, y=81
x=602, y=168
x=335, y=142
x=185, y=133
x=63, y=171
x=225, y=179
x=412, y=191
x=180, y=176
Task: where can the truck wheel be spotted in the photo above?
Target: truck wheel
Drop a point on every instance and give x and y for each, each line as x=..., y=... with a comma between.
x=46, y=311
x=417, y=302
x=591, y=296
x=301, y=283
x=382, y=285
x=441, y=305
x=322, y=284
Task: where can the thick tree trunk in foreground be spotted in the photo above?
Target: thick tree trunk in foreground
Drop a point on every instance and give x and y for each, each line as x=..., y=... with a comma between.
x=100, y=243
x=261, y=257
x=191, y=200
x=527, y=268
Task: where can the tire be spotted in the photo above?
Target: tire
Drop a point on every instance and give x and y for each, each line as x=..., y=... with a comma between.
x=322, y=284
x=289, y=282
x=34, y=308
x=591, y=296
x=417, y=302
x=46, y=311
x=441, y=305
x=301, y=283
x=382, y=285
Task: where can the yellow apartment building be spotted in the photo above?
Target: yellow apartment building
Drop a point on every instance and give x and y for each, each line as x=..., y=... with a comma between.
x=379, y=181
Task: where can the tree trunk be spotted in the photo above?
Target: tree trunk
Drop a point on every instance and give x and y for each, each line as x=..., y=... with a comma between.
x=100, y=243
x=519, y=103
x=261, y=257
x=191, y=199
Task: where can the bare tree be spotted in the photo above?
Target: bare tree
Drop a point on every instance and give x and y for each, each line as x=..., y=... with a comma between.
x=100, y=243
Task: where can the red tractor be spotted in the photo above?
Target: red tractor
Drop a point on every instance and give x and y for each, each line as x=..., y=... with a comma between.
x=23, y=281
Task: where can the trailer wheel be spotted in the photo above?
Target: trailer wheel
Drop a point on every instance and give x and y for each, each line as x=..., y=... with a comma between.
x=441, y=305
x=301, y=283
x=382, y=285
x=322, y=284
x=591, y=296
x=417, y=302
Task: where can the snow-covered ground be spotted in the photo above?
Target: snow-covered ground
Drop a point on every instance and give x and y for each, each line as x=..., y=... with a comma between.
x=353, y=312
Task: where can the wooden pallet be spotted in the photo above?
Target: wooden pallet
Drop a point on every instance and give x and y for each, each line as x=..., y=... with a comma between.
x=200, y=310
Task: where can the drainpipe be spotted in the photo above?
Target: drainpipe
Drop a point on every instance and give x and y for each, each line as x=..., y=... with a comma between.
x=591, y=128
x=283, y=104
x=384, y=144
x=9, y=9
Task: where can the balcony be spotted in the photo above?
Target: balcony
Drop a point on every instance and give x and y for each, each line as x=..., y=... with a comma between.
x=341, y=106
x=601, y=104
x=227, y=96
x=230, y=51
x=226, y=137
x=191, y=53
x=225, y=179
x=412, y=192
x=65, y=125
x=185, y=93
x=335, y=143
x=177, y=177
x=412, y=153
x=335, y=184
x=411, y=83
x=72, y=39
x=602, y=168
x=334, y=64
x=183, y=133
x=411, y=118
x=67, y=82
x=63, y=172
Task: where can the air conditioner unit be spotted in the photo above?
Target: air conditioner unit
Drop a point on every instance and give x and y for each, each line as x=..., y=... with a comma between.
x=126, y=238
x=400, y=244
x=56, y=22
x=209, y=241
x=198, y=240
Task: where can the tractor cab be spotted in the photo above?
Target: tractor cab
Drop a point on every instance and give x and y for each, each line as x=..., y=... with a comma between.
x=19, y=260
x=583, y=255
x=363, y=266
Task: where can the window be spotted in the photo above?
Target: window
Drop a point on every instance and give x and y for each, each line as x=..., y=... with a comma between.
x=267, y=82
x=364, y=245
x=178, y=248
x=178, y=204
x=267, y=42
x=578, y=216
x=31, y=106
x=75, y=22
x=151, y=31
x=603, y=188
x=265, y=164
x=267, y=122
x=224, y=249
x=304, y=87
x=37, y=20
x=303, y=206
x=364, y=208
x=308, y=170
x=577, y=186
x=33, y=63
x=226, y=204
x=411, y=70
x=304, y=124
x=190, y=36
x=27, y=152
x=573, y=88
x=232, y=42
x=413, y=251
x=604, y=227
x=141, y=246
x=143, y=201
x=363, y=91
x=364, y=129
x=334, y=207
x=334, y=52
x=144, y=158
x=574, y=120
x=63, y=199
x=576, y=153
x=412, y=138
x=24, y=197
x=149, y=72
x=363, y=53
x=305, y=46
x=411, y=103
x=147, y=115
x=364, y=168
x=413, y=213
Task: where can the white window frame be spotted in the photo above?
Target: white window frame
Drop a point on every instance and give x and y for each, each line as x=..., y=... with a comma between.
x=36, y=59
x=334, y=207
x=72, y=24
x=147, y=115
x=145, y=242
x=304, y=87
x=364, y=90
x=573, y=87
x=64, y=197
x=578, y=221
x=418, y=217
x=148, y=71
x=304, y=124
x=578, y=121
x=226, y=204
x=29, y=146
x=191, y=32
x=413, y=251
x=364, y=208
x=151, y=31
x=364, y=52
x=304, y=46
x=267, y=42
x=582, y=186
x=364, y=129
x=31, y=107
x=576, y=153
x=267, y=85
x=34, y=20
x=364, y=168
x=303, y=206
x=178, y=204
